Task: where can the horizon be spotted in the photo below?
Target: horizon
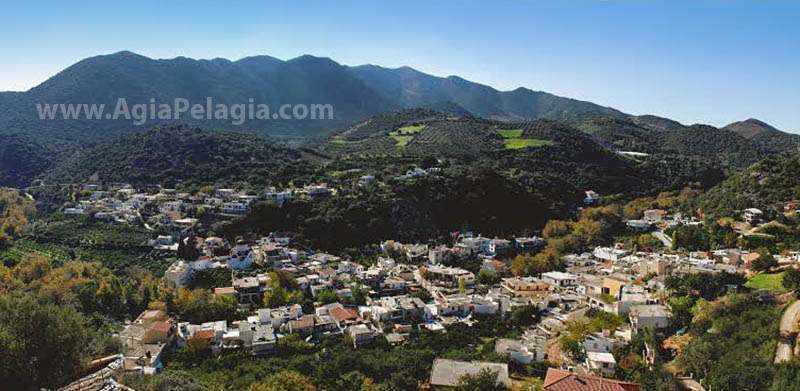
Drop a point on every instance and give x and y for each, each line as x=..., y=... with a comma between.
x=639, y=59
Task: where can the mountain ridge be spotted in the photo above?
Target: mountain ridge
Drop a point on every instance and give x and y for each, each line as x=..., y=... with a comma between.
x=356, y=93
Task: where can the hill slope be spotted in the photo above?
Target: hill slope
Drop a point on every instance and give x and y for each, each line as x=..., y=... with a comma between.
x=538, y=148
x=763, y=185
x=167, y=155
x=24, y=157
x=354, y=92
x=731, y=147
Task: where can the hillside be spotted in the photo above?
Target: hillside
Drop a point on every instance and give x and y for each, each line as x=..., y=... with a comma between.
x=355, y=93
x=535, y=148
x=731, y=147
x=168, y=155
x=429, y=132
x=750, y=128
x=764, y=185
x=24, y=157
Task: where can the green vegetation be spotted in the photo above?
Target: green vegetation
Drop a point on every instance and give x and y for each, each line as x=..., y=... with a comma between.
x=407, y=130
x=519, y=143
x=24, y=157
x=765, y=185
x=333, y=364
x=42, y=343
x=738, y=355
x=773, y=282
x=80, y=238
x=180, y=155
x=15, y=210
x=402, y=141
x=510, y=133
x=355, y=92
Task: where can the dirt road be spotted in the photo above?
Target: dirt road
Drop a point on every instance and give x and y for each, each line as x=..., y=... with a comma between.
x=788, y=326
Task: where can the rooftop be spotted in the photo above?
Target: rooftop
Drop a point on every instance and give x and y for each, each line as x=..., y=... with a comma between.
x=449, y=372
x=558, y=380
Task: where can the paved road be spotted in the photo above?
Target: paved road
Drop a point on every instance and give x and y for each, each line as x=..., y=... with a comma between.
x=663, y=238
x=788, y=326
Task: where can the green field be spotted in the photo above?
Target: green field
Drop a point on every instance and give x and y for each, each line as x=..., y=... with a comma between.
x=407, y=130
x=519, y=143
x=772, y=282
x=340, y=141
x=402, y=141
x=510, y=133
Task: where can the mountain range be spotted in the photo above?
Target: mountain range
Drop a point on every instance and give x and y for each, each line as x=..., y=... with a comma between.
x=378, y=111
x=355, y=93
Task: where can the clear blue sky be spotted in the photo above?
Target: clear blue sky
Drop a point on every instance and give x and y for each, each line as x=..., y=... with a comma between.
x=695, y=61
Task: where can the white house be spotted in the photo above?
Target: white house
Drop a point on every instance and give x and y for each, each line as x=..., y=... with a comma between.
x=560, y=279
x=179, y=273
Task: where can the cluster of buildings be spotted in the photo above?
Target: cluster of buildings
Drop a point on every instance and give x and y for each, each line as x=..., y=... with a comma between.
x=153, y=208
x=653, y=219
x=613, y=279
x=415, y=287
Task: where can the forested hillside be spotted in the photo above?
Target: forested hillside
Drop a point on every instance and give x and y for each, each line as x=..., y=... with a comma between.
x=766, y=185
x=169, y=155
x=24, y=157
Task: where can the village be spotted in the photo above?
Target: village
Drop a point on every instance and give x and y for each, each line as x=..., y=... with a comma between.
x=410, y=287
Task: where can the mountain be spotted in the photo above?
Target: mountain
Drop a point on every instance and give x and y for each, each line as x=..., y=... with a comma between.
x=413, y=88
x=168, y=155
x=750, y=128
x=354, y=92
x=103, y=79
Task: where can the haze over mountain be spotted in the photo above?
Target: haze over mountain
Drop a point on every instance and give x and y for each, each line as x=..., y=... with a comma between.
x=355, y=93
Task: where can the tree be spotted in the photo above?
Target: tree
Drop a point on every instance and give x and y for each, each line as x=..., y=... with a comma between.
x=169, y=380
x=791, y=278
x=327, y=296
x=43, y=344
x=571, y=346
x=485, y=380
x=423, y=295
x=534, y=265
x=14, y=212
x=556, y=229
x=765, y=261
x=359, y=295
x=487, y=277
x=370, y=385
x=280, y=296
x=523, y=315
x=187, y=249
x=200, y=305
x=284, y=381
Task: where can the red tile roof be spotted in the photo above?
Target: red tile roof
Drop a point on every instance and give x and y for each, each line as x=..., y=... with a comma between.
x=343, y=314
x=558, y=380
x=154, y=314
x=161, y=326
x=204, y=334
x=302, y=323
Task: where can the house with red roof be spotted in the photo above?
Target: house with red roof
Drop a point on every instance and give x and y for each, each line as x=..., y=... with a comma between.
x=558, y=380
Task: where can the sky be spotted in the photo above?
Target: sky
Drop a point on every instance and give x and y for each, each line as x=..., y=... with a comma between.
x=694, y=61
